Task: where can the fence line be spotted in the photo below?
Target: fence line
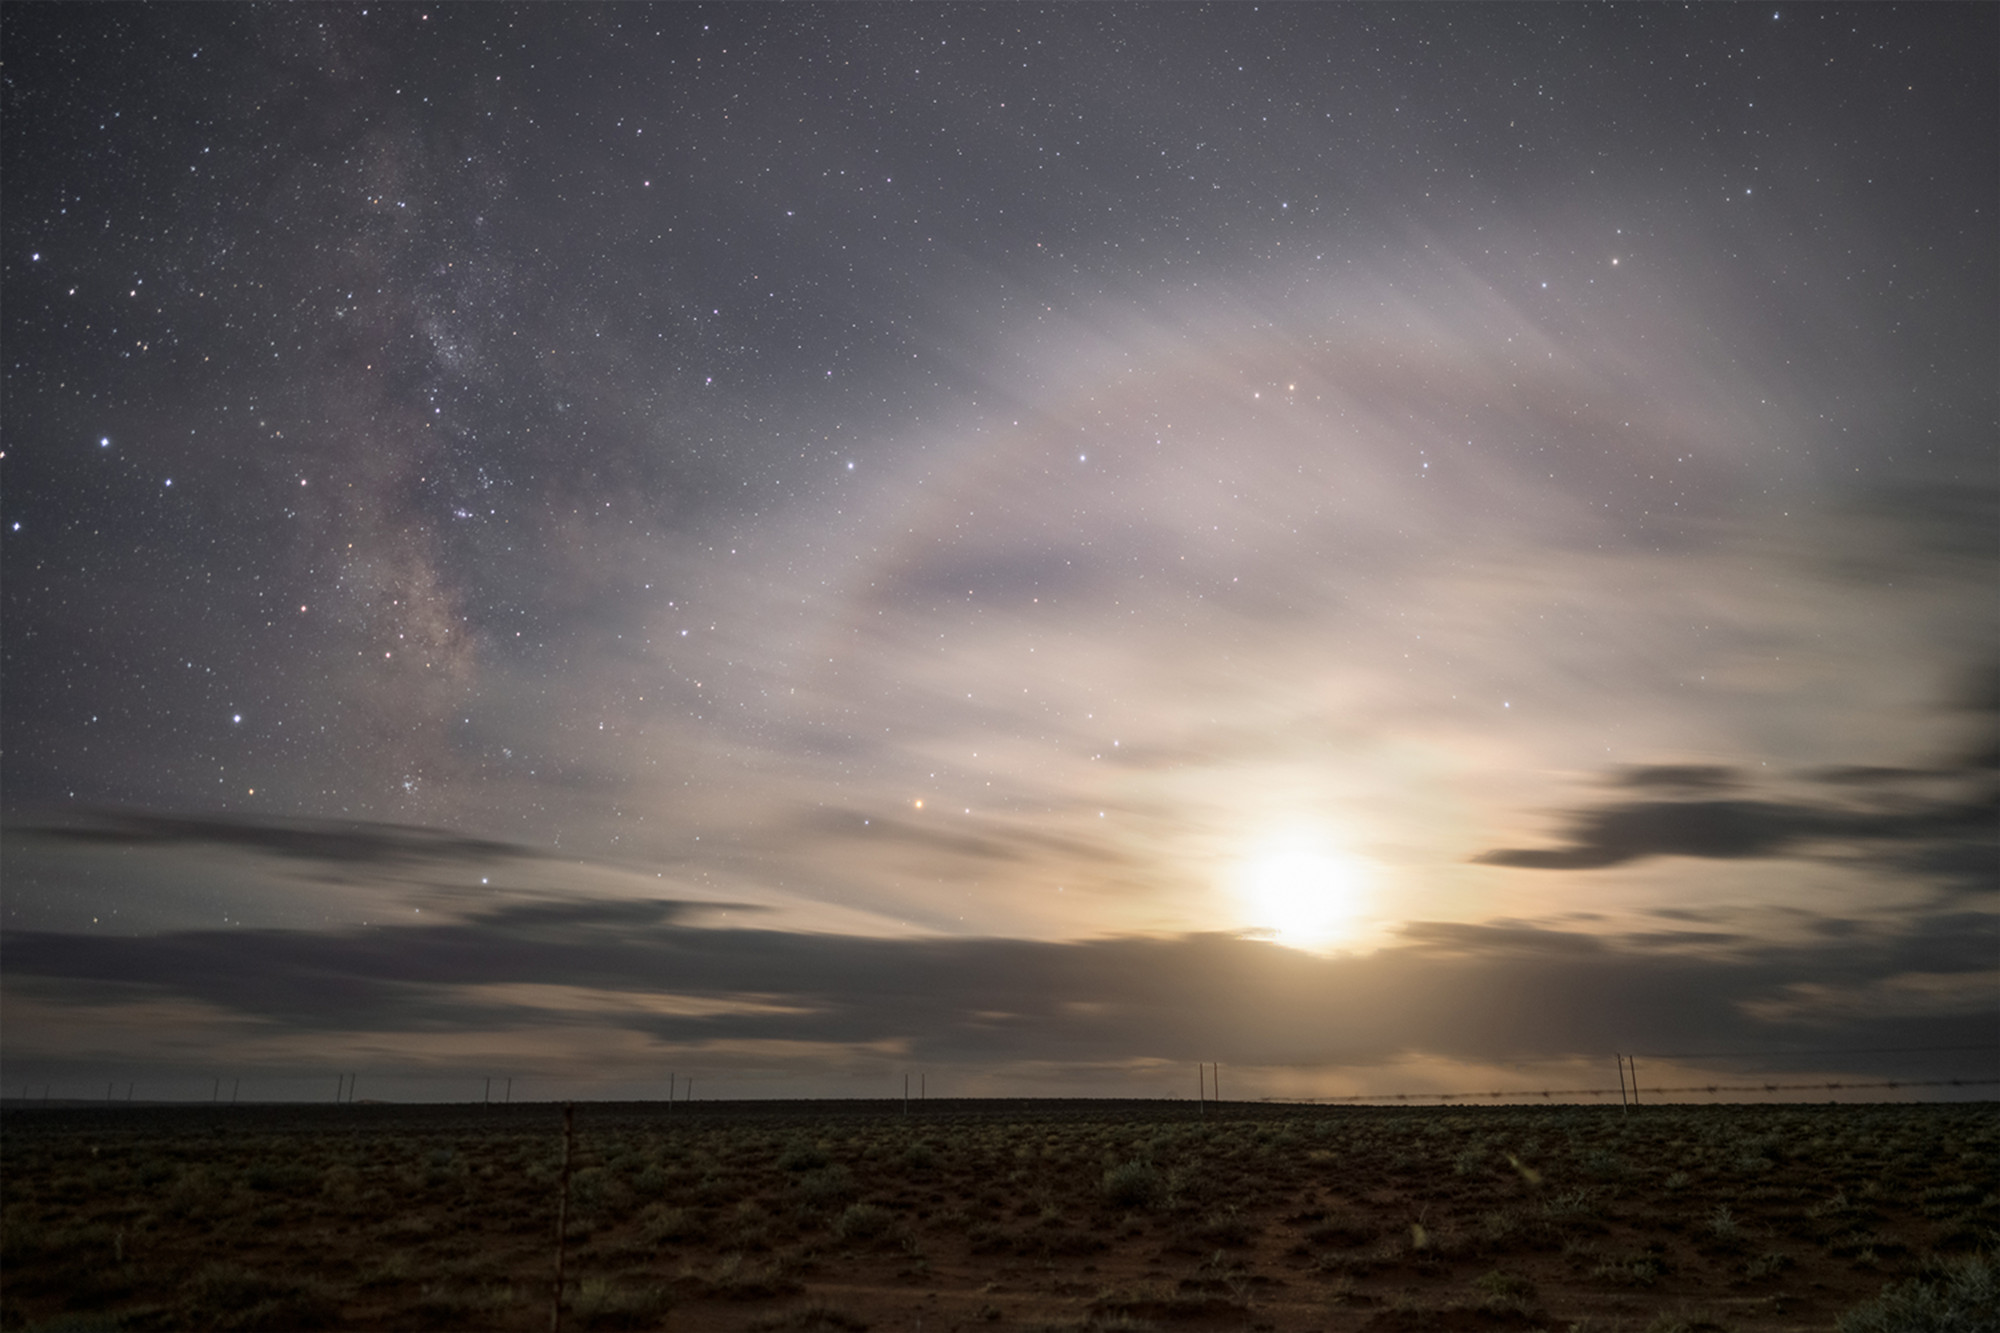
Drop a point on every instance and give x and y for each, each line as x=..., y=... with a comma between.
x=680, y=1087
x=1553, y=1093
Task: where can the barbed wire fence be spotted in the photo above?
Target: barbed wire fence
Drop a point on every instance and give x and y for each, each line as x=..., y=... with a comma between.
x=1553, y=1094
x=499, y=1090
x=1630, y=1091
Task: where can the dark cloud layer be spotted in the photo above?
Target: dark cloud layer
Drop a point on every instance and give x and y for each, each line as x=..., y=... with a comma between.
x=1956, y=837
x=1479, y=994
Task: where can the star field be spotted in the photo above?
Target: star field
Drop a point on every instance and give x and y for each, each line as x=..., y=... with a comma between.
x=930, y=477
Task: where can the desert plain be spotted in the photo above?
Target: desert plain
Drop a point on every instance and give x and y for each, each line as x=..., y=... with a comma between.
x=1001, y=1215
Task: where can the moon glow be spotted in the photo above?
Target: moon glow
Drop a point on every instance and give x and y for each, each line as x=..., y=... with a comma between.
x=1307, y=893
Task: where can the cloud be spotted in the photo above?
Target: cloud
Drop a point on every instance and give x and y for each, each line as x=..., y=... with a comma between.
x=339, y=842
x=1879, y=810
x=1718, y=830
x=1467, y=992
x=1690, y=777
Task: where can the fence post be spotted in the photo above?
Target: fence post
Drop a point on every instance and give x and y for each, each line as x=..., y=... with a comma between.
x=562, y=1215
x=1633, y=1061
x=1621, y=1082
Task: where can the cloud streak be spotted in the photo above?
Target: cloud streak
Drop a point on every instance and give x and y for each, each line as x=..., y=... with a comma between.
x=1956, y=838
x=1446, y=990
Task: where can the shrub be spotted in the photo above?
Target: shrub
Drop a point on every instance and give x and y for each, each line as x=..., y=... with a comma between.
x=602, y=1303
x=862, y=1221
x=802, y=1155
x=827, y=1186
x=1504, y=1292
x=1227, y=1227
x=1579, y=1205
x=1957, y=1297
x=660, y=1224
x=1132, y=1185
x=460, y=1307
x=735, y=1280
x=281, y=1178
x=1764, y=1265
x=1630, y=1270
x=248, y=1299
x=818, y=1317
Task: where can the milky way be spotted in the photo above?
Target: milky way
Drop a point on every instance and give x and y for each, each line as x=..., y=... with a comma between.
x=808, y=542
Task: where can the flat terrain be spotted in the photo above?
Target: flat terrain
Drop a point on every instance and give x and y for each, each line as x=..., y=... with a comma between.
x=985, y=1215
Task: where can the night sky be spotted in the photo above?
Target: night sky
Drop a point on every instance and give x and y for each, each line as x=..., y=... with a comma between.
x=1390, y=547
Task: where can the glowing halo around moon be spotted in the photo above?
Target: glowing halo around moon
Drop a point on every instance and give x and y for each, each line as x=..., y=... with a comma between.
x=1308, y=894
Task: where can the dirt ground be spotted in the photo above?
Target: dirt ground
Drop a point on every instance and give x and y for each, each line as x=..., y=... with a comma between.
x=987, y=1215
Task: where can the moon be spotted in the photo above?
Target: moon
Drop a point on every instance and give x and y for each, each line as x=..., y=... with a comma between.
x=1304, y=891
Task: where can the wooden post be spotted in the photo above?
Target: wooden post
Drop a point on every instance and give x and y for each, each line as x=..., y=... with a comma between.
x=562, y=1215
x=510, y=1091
x=670, y=1092
x=1201, y=1088
x=1215, y=1082
x=906, y=1094
x=1633, y=1061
